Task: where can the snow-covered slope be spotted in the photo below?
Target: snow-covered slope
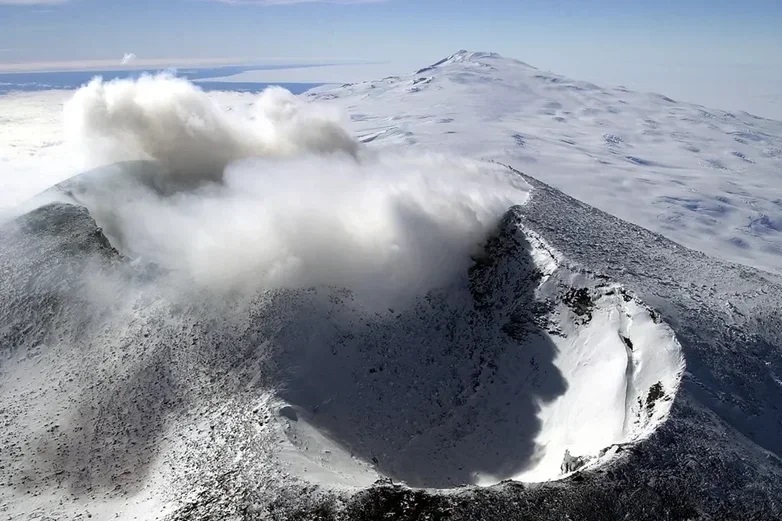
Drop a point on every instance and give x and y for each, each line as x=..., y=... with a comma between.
x=310, y=326
x=705, y=178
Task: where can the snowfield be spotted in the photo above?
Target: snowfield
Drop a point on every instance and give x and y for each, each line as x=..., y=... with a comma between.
x=255, y=309
x=705, y=178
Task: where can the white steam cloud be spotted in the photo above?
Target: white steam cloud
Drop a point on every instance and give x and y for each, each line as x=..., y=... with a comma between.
x=169, y=120
x=281, y=196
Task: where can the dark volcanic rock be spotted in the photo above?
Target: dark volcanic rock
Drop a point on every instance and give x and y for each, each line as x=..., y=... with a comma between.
x=43, y=258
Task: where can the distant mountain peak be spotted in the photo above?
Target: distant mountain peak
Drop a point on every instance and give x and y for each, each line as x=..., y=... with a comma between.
x=465, y=56
x=462, y=55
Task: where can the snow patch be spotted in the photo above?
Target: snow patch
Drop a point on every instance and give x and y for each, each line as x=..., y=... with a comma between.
x=622, y=367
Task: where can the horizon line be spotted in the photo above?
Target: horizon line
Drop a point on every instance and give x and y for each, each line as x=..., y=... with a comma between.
x=170, y=63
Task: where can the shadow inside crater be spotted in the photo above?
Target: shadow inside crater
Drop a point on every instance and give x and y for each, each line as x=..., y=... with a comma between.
x=441, y=394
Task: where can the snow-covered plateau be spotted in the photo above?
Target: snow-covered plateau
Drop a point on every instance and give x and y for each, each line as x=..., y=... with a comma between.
x=253, y=308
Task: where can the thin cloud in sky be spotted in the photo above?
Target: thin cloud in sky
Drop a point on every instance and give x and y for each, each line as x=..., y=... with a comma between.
x=129, y=57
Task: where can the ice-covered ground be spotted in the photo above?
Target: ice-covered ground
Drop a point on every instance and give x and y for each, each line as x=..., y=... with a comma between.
x=708, y=179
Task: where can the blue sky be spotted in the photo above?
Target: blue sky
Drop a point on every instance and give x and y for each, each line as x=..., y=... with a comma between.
x=639, y=43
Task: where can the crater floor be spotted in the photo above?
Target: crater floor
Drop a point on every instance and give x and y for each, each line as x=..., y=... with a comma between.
x=534, y=372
